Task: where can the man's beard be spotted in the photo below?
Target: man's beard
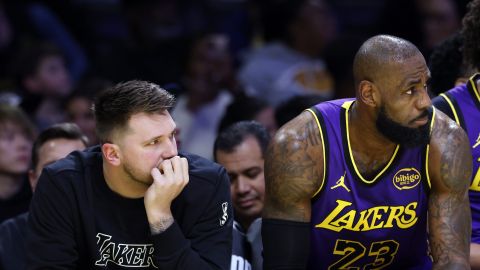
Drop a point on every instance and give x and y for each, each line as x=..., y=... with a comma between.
x=137, y=176
x=405, y=136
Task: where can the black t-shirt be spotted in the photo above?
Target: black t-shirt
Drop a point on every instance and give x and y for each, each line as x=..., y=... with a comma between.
x=77, y=222
x=119, y=239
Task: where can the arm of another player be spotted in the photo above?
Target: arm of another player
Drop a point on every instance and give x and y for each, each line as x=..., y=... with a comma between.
x=292, y=174
x=450, y=168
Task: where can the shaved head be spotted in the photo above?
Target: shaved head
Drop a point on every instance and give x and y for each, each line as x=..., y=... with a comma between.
x=377, y=54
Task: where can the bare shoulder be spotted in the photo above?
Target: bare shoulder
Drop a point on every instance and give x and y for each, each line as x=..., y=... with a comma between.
x=293, y=169
x=450, y=159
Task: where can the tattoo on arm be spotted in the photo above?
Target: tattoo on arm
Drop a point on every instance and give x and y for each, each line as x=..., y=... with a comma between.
x=292, y=170
x=161, y=225
x=449, y=211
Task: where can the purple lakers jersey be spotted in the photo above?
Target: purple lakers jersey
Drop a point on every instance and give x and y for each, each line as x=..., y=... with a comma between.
x=464, y=101
x=359, y=223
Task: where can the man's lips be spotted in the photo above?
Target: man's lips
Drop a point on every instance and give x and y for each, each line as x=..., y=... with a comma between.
x=246, y=203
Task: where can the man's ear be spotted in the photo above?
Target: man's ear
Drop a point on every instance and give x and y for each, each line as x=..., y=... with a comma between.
x=368, y=93
x=111, y=153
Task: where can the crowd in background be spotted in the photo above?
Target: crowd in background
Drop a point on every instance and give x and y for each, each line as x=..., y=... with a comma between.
x=224, y=61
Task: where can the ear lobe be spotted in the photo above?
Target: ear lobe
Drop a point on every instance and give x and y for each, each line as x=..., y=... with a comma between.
x=367, y=93
x=111, y=153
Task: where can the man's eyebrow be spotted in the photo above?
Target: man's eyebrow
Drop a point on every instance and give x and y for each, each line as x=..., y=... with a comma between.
x=416, y=80
x=412, y=81
x=153, y=138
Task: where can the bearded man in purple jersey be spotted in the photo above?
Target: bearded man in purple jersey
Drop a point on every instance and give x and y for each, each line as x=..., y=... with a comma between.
x=357, y=183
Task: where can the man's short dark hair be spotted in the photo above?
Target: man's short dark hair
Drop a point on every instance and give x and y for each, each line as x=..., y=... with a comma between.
x=114, y=106
x=242, y=108
x=69, y=131
x=471, y=34
x=235, y=134
x=446, y=64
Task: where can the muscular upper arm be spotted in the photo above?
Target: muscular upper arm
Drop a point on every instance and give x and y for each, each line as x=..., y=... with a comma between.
x=293, y=169
x=450, y=166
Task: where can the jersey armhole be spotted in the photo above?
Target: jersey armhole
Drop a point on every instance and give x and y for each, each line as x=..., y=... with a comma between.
x=323, y=137
x=452, y=107
x=427, y=150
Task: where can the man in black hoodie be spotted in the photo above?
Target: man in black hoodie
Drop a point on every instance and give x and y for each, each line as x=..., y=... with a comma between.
x=133, y=201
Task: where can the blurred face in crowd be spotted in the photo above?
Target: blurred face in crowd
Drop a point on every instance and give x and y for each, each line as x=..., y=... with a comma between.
x=440, y=20
x=79, y=112
x=15, y=149
x=245, y=167
x=210, y=66
x=316, y=22
x=51, y=151
x=267, y=118
x=51, y=78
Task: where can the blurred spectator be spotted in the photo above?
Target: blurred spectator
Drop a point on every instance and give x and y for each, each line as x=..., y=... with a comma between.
x=447, y=67
x=339, y=58
x=429, y=21
x=294, y=106
x=157, y=43
x=240, y=148
x=44, y=82
x=49, y=28
x=79, y=106
x=51, y=145
x=296, y=32
x=440, y=19
x=16, y=138
x=209, y=75
x=249, y=108
x=27, y=23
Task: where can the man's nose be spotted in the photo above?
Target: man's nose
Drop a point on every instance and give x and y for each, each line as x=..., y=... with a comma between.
x=242, y=185
x=170, y=150
x=424, y=100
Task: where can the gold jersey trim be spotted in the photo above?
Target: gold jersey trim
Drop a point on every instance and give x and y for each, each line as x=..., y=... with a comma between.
x=427, y=157
x=323, y=151
x=450, y=103
x=347, y=105
x=474, y=86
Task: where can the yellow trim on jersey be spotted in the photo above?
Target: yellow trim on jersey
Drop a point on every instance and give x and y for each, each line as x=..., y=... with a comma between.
x=426, y=166
x=347, y=106
x=474, y=85
x=323, y=145
x=428, y=149
x=451, y=107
